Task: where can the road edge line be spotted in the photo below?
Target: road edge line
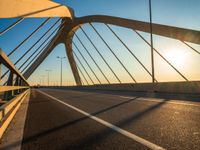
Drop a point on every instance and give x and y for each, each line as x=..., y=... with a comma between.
x=107, y=124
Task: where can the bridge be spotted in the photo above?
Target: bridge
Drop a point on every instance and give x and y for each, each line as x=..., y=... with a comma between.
x=128, y=92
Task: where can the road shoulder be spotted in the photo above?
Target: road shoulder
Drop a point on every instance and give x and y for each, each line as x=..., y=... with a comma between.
x=13, y=136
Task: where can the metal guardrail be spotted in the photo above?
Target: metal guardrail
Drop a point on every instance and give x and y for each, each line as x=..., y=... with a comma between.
x=12, y=94
x=12, y=88
x=7, y=88
x=7, y=62
x=9, y=109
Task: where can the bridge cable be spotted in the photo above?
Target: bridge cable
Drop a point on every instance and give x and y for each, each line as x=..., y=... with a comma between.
x=27, y=38
x=129, y=50
x=161, y=55
x=11, y=26
x=82, y=74
x=191, y=47
x=113, y=53
x=38, y=40
x=33, y=59
x=83, y=67
x=86, y=62
x=33, y=46
x=92, y=58
x=82, y=82
x=36, y=51
x=32, y=53
x=50, y=42
x=100, y=55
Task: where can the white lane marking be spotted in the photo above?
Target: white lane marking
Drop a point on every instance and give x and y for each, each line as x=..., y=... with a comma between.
x=109, y=125
x=161, y=100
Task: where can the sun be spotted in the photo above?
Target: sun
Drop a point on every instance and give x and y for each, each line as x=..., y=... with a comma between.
x=176, y=57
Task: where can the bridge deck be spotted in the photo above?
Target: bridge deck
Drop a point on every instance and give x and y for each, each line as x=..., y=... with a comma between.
x=51, y=124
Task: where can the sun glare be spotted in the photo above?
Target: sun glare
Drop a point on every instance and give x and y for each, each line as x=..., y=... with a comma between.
x=176, y=57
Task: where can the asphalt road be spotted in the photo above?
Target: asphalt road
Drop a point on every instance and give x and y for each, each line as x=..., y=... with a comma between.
x=82, y=120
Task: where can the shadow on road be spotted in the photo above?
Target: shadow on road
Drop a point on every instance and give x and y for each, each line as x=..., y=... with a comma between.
x=96, y=137
x=185, y=97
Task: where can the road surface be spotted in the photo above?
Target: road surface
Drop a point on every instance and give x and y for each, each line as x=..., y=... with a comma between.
x=83, y=120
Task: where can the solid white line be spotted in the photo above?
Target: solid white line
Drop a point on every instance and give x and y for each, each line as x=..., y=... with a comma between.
x=113, y=127
x=160, y=100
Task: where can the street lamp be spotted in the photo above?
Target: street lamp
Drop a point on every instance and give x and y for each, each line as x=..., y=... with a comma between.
x=48, y=75
x=42, y=80
x=61, y=58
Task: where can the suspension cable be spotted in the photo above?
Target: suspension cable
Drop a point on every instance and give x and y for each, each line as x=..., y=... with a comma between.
x=113, y=53
x=83, y=67
x=161, y=55
x=27, y=38
x=101, y=55
x=82, y=74
x=37, y=41
x=39, y=47
x=92, y=57
x=33, y=59
x=86, y=62
x=11, y=26
x=33, y=52
x=50, y=42
x=129, y=50
x=82, y=82
x=191, y=47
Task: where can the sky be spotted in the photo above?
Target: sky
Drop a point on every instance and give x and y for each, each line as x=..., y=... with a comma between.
x=179, y=13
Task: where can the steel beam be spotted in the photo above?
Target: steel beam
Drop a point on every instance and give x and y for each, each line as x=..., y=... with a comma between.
x=61, y=37
x=71, y=26
x=33, y=8
x=182, y=34
x=73, y=64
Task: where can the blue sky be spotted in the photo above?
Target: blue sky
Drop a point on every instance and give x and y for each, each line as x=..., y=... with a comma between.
x=180, y=13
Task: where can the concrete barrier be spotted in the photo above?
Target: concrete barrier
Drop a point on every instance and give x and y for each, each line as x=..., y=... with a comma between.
x=192, y=87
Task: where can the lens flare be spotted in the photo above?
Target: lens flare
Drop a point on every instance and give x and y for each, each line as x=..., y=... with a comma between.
x=176, y=57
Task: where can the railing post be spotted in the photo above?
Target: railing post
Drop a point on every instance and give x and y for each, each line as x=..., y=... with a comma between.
x=9, y=94
x=23, y=83
x=20, y=84
x=16, y=84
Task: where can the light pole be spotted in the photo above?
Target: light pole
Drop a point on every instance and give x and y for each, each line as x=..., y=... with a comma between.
x=61, y=58
x=42, y=80
x=48, y=75
x=151, y=38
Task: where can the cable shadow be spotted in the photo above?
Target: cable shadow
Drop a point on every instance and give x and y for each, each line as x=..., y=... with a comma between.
x=58, y=128
x=99, y=136
x=178, y=96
